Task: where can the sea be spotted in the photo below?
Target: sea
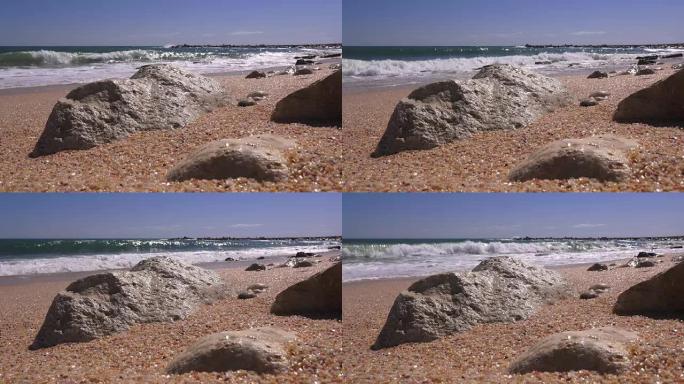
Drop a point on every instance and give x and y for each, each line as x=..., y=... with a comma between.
x=38, y=66
x=397, y=66
x=383, y=258
x=40, y=256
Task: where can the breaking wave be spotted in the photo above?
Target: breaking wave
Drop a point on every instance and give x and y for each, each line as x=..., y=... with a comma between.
x=395, y=68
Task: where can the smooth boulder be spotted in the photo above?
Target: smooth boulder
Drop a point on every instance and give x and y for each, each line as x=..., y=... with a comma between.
x=602, y=350
x=662, y=102
x=319, y=295
x=318, y=104
x=661, y=294
x=156, y=97
x=260, y=350
x=159, y=289
x=498, y=97
x=604, y=158
x=498, y=290
x=256, y=157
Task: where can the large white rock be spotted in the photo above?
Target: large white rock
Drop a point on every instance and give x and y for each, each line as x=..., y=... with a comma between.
x=159, y=289
x=498, y=97
x=158, y=96
x=498, y=290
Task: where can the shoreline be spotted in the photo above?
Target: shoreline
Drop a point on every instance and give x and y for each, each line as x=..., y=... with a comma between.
x=66, y=87
x=418, y=277
x=212, y=265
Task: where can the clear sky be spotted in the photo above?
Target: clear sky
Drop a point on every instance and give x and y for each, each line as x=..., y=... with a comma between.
x=457, y=215
x=512, y=22
x=131, y=215
x=159, y=22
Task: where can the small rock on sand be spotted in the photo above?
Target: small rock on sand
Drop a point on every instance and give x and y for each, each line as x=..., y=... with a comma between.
x=260, y=350
x=660, y=294
x=247, y=102
x=598, y=267
x=319, y=295
x=601, y=157
x=303, y=264
x=246, y=295
x=598, y=75
x=590, y=102
x=602, y=350
x=590, y=294
x=255, y=157
x=645, y=264
x=258, y=287
x=257, y=95
x=256, y=267
x=646, y=254
x=255, y=75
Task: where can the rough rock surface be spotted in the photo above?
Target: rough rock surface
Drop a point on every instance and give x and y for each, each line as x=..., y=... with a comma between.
x=158, y=96
x=661, y=294
x=601, y=157
x=498, y=290
x=159, y=289
x=318, y=104
x=256, y=267
x=602, y=350
x=255, y=157
x=319, y=295
x=498, y=97
x=261, y=350
x=663, y=102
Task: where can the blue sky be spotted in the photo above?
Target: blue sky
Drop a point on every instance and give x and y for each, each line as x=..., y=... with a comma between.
x=508, y=215
x=511, y=22
x=158, y=22
x=131, y=215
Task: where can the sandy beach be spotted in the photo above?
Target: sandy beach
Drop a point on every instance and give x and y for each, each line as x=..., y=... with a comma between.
x=142, y=353
x=484, y=353
x=141, y=161
x=483, y=161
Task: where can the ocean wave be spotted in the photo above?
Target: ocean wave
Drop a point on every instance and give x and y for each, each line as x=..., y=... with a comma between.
x=82, y=263
x=393, y=68
x=47, y=58
x=398, y=251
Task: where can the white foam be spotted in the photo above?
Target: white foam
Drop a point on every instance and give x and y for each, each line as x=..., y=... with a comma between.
x=76, y=68
x=127, y=260
x=377, y=261
x=416, y=68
